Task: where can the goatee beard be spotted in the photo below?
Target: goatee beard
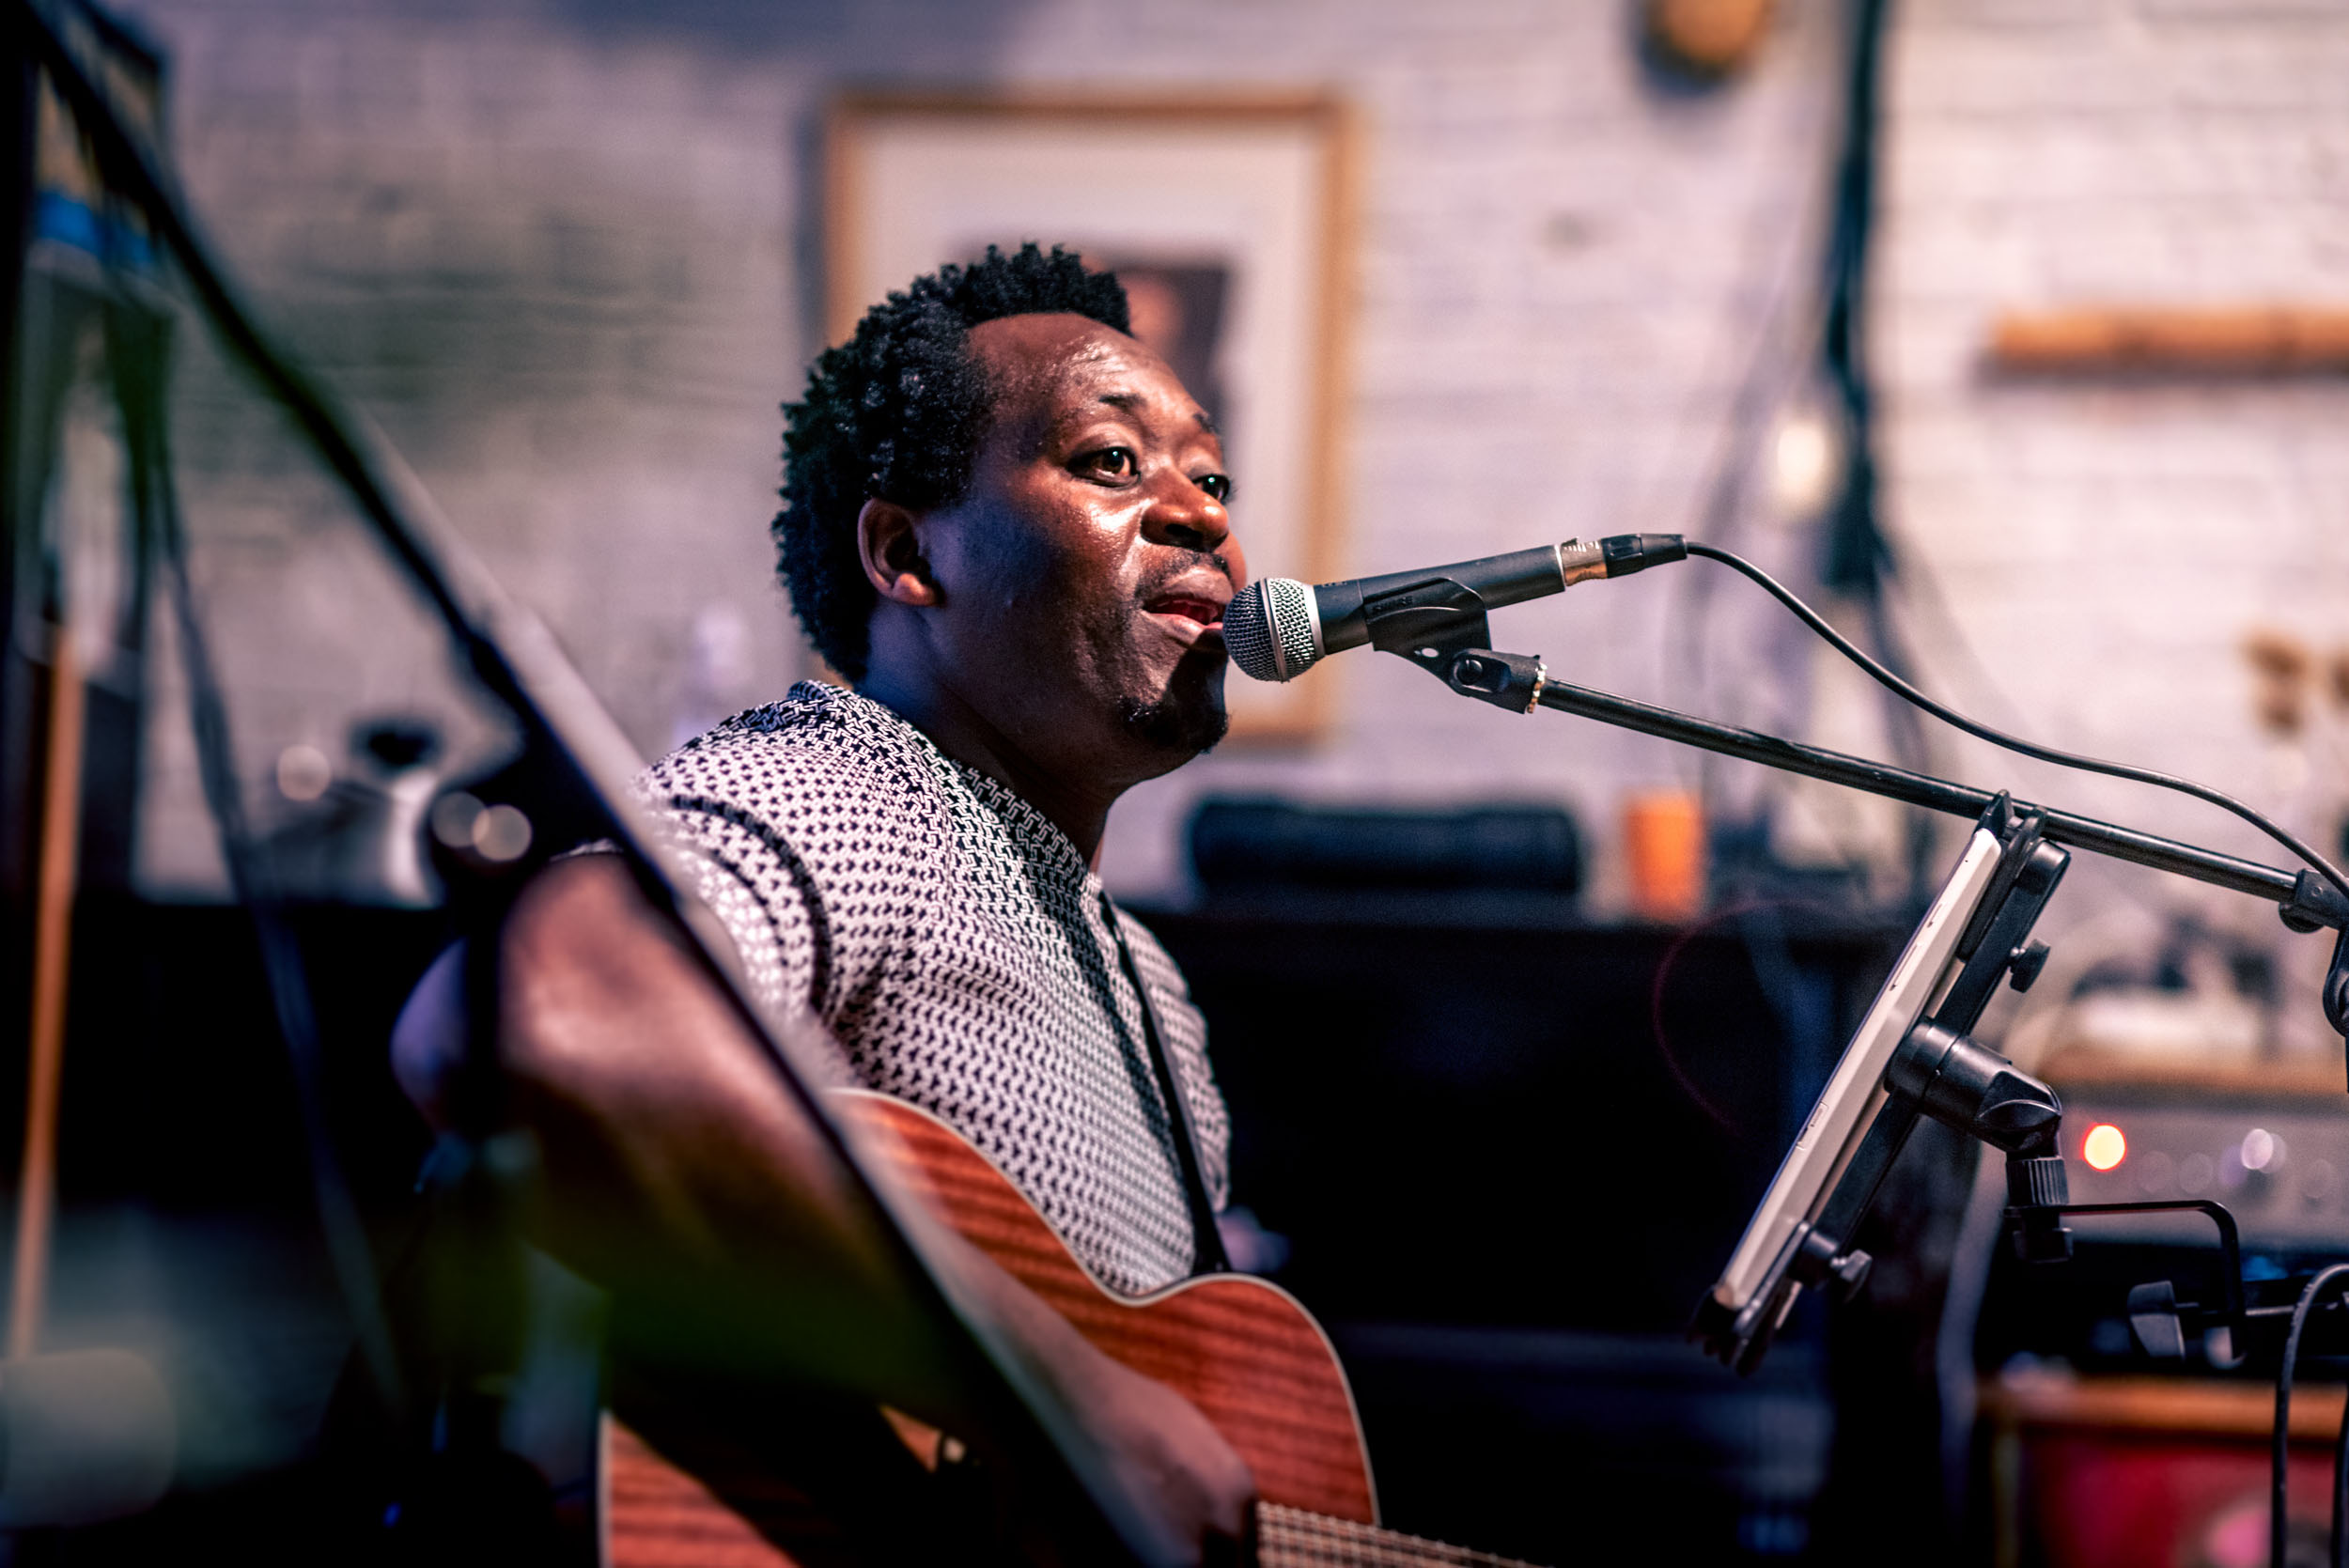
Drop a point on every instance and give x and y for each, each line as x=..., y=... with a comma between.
x=1174, y=725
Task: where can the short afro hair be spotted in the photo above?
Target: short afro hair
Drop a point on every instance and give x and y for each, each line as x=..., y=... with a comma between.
x=897, y=412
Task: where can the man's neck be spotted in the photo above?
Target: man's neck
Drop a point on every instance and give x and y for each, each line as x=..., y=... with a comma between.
x=964, y=733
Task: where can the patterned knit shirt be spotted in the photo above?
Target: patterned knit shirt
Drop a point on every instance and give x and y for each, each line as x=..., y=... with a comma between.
x=957, y=947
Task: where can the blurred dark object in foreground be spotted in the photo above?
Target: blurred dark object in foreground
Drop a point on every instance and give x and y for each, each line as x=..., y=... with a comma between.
x=88, y=1430
x=360, y=839
x=1239, y=844
x=187, y=1225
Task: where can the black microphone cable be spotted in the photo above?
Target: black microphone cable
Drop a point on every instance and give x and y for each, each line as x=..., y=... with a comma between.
x=2340, y=1491
x=1900, y=688
x=2280, y=1451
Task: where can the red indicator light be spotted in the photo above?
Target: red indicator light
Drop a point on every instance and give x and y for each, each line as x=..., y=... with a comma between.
x=2103, y=1147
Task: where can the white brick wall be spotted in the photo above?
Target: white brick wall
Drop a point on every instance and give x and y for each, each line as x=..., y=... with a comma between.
x=557, y=269
x=562, y=256
x=2107, y=547
x=563, y=250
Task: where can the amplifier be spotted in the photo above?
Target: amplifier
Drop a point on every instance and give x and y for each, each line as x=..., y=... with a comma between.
x=2277, y=1160
x=2274, y=1149
x=1258, y=843
x=2098, y=1455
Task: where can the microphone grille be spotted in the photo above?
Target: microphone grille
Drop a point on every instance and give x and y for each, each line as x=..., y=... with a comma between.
x=1269, y=629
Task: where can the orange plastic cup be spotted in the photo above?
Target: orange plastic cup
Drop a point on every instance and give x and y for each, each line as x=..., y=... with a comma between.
x=1663, y=839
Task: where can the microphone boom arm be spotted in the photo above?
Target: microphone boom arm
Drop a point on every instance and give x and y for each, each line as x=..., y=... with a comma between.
x=1519, y=683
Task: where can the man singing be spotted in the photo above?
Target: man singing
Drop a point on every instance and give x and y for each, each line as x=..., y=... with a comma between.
x=1004, y=524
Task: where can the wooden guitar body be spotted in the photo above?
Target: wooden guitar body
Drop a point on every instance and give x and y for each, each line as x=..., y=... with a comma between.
x=1241, y=1349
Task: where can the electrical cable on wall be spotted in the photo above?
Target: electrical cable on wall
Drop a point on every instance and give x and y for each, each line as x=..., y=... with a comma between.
x=1856, y=558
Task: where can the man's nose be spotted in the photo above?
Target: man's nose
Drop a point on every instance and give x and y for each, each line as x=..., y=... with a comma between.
x=1184, y=516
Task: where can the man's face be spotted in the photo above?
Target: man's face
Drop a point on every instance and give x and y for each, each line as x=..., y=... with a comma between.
x=1084, y=574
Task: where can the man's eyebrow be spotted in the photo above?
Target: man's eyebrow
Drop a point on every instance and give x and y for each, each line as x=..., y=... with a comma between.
x=1132, y=402
x=1135, y=404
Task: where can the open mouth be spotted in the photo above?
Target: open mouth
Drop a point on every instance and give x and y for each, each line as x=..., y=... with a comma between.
x=1203, y=613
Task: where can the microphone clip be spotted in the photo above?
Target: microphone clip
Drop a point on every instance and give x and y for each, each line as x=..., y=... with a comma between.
x=1441, y=627
x=1510, y=680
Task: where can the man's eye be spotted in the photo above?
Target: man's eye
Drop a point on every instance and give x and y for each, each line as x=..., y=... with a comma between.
x=1217, y=484
x=1110, y=462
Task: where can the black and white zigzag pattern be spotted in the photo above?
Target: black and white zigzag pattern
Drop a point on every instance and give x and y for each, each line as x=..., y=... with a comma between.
x=954, y=940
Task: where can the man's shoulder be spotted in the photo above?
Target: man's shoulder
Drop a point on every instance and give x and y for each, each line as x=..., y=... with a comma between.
x=819, y=739
x=820, y=763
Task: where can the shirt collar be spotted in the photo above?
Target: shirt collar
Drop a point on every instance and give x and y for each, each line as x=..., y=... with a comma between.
x=1034, y=831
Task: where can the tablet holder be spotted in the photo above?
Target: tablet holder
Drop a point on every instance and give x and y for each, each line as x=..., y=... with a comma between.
x=1938, y=1070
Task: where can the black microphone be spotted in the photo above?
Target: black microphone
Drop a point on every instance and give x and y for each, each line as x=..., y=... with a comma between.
x=1276, y=629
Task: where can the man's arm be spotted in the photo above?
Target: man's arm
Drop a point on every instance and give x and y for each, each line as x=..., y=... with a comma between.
x=678, y=1171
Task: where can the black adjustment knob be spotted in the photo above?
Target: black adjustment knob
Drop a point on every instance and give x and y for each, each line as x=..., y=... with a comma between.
x=2036, y=1181
x=1850, y=1272
x=2024, y=963
x=2154, y=1319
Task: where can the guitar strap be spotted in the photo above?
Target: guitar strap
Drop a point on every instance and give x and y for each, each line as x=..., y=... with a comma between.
x=1207, y=1254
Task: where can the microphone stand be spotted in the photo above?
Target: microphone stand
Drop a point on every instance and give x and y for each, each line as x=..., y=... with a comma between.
x=1933, y=1068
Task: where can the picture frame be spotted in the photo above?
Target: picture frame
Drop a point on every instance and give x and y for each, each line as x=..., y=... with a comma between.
x=1229, y=220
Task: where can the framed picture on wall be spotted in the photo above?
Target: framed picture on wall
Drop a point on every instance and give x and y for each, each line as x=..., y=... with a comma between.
x=1226, y=219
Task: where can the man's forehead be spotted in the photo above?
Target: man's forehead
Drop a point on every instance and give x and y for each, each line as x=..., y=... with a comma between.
x=1059, y=364
x=1039, y=350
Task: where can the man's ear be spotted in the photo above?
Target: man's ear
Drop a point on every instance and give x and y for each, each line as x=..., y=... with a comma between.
x=891, y=554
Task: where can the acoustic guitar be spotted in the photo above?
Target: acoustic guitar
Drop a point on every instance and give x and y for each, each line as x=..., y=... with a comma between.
x=1241, y=1349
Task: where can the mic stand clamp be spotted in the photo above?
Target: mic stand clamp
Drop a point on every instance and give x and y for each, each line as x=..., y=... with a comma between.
x=1964, y=1084
x=1510, y=680
x=1441, y=627
x=2315, y=904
